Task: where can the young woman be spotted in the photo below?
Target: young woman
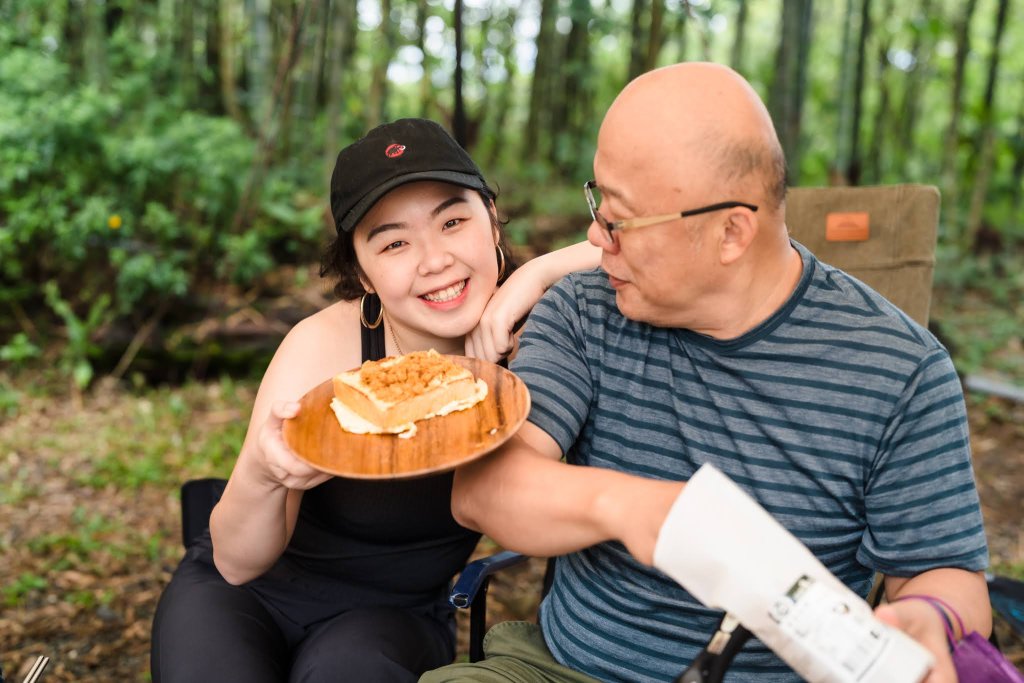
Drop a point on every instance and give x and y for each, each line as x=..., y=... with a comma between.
x=309, y=577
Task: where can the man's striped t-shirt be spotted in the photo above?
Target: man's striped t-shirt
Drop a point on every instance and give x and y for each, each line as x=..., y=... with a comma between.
x=839, y=414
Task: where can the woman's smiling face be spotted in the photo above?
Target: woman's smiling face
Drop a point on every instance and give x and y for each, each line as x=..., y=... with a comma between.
x=428, y=250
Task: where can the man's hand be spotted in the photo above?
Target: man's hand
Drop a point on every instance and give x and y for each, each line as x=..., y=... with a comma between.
x=923, y=623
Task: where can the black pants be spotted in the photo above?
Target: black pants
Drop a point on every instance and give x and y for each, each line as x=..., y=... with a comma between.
x=205, y=629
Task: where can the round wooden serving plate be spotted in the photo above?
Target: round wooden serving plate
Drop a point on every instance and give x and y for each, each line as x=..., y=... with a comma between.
x=440, y=444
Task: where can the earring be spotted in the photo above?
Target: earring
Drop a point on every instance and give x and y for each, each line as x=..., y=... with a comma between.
x=362, y=315
x=501, y=262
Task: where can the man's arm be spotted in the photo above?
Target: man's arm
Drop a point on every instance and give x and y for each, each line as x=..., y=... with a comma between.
x=528, y=500
x=965, y=591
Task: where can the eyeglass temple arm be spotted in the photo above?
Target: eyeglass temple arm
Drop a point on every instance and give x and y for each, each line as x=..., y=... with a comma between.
x=713, y=661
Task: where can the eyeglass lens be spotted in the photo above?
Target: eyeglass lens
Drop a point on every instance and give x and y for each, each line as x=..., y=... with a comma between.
x=593, y=195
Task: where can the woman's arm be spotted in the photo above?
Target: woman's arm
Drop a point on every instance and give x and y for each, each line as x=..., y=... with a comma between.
x=492, y=339
x=253, y=522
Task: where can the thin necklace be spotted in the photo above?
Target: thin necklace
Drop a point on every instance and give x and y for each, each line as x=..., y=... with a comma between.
x=394, y=338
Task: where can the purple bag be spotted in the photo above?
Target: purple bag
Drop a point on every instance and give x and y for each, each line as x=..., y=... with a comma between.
x=975, y=659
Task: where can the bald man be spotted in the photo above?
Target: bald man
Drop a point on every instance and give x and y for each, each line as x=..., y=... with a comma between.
x=708, y=336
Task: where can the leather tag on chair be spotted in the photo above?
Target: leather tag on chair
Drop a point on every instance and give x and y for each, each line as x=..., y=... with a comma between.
x=852, y=226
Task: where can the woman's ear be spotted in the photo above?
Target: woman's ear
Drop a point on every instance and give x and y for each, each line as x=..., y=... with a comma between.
x=367, y=285
x=495, y=229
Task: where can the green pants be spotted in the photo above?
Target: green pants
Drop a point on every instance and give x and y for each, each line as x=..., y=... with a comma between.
x=514, y=652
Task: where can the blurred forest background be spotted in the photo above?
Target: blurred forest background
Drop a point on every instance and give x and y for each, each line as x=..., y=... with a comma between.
x=163, y=201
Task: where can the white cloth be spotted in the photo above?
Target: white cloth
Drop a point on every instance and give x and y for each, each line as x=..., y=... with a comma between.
x=730, y=554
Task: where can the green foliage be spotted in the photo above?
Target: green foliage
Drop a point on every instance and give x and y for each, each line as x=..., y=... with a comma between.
x=16, y=591
x=19, y=350
x=125, y=200
x=79, y=332
x=164, y=445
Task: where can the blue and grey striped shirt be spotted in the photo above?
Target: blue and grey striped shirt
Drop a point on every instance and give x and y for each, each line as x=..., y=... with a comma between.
x=839, y=414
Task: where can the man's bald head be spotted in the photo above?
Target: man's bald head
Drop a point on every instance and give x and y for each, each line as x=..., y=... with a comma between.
x=700, y=125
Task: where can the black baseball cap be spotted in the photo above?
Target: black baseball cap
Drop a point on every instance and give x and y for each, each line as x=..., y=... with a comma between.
x=394, y=154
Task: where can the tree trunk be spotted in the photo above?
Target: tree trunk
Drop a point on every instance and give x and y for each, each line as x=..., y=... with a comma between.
x=483, y=57
x=921, y=49
x=950, y=186
x=853, y=171
x=637, y=35
x=342, y=19
x=259, y=63
x=426, y=92
x=986, y=134
x=839, y=169
x=679, y=30
x=790, y=85
x=655, y=36
x=1017, y=172
x=506, y=93
x=228, y=77
x=184, y=53
x=95, y=45
x=739, y=39
x=575, y=103
x=882, y=114
x=72, y=44
x=209, y=84
x=376, y=106
x=459, y=118
x=537, y=119
x=322, y=10
x=279, y=100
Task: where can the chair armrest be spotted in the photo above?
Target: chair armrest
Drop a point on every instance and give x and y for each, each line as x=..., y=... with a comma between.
x=477, y=573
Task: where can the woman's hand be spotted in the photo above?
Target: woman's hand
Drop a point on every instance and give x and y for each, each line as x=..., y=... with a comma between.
x=492, y=339
x=280, y=464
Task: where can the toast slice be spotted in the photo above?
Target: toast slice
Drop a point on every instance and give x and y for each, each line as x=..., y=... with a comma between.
x=389, y=396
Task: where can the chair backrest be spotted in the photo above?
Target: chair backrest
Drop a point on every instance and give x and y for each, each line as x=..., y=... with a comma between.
x=882, y=235
x=198, y=497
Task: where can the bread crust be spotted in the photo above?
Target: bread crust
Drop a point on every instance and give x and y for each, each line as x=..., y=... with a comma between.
x=391, y=395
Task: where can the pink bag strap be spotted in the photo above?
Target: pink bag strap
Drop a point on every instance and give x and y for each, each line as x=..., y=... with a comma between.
x=942, y=607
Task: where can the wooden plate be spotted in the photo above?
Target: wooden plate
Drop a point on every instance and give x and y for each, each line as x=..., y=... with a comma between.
x=440, y=444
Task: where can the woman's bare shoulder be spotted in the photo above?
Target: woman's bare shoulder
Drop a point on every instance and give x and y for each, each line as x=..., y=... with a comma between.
x=329, y=340
x=340, y=319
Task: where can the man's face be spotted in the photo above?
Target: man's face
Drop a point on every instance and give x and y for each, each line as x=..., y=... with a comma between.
x=659, y=272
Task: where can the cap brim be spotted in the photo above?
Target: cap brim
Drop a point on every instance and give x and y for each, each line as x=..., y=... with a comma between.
x=357, y=212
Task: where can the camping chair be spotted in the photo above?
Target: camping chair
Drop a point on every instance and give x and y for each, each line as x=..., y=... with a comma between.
x=198, y=496
x=884, y=236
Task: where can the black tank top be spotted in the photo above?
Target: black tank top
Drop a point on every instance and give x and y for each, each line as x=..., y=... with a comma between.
x=370, y=543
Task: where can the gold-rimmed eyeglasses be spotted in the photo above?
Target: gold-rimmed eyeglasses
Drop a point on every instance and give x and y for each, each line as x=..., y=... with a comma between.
x=590, y=187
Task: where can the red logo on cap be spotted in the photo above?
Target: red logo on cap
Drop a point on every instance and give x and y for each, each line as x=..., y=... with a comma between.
x=395, y=150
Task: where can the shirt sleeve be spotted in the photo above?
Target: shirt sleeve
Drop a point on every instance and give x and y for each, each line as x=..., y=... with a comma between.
x=921, y=501
x=552, y=361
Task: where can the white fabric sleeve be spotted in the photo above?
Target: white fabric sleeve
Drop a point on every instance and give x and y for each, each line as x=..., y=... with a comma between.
x=729, y=553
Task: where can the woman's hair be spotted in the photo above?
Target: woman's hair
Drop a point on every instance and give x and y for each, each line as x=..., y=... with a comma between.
x=339, y=257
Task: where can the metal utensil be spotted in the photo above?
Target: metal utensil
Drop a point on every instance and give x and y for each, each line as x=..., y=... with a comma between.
x=37, y=669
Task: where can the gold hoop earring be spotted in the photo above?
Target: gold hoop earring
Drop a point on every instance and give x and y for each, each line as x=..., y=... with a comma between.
x=362, y=315
x=501, y=262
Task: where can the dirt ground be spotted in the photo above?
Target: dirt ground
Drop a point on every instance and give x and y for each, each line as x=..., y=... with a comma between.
x=82, y=566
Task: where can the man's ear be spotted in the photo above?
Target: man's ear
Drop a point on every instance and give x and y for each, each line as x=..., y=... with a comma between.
x=738, y=234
